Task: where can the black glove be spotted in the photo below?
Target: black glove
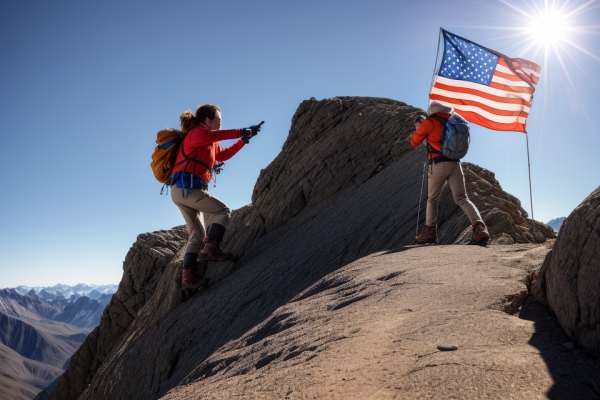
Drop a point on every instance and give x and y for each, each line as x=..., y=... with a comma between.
x=256, y=128
x=247, y=133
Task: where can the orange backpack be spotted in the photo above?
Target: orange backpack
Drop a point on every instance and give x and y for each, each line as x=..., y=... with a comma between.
x=165, y=154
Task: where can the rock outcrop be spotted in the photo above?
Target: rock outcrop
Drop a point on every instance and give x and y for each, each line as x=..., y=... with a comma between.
x=501, y=211
x=345, y=186
x=568, y=280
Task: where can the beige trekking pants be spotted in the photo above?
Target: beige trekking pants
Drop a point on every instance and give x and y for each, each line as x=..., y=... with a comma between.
x=193, y=203
x=450, y=171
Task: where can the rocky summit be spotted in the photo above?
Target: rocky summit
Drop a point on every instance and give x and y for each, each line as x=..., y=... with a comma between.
x=328, y=297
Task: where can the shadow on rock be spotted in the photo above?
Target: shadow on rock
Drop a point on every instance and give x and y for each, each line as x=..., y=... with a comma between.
x=576, y=374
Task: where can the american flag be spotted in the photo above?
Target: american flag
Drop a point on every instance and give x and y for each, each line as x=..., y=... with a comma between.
x=485, y=87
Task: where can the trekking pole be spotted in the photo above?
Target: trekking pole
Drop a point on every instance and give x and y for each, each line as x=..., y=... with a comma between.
x=420, y=196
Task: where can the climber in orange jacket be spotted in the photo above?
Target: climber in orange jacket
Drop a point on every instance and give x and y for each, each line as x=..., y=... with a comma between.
x=442, y=169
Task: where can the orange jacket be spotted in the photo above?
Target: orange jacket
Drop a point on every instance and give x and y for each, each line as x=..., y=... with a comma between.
x=431, y=129
x=203, y=144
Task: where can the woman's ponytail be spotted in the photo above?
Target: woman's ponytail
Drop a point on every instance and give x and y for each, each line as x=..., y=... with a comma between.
x=187, y=121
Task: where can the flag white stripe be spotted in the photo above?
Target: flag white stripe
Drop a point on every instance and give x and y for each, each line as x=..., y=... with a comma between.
x=502, y=68
x=482, y=100
x=492, y=117
x=508, y=82
x=527, y=71
x=523, y=70
x=483, y=88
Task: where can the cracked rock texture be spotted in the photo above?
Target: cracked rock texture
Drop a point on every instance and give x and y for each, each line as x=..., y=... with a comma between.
x=345, y=187
x=569, y=279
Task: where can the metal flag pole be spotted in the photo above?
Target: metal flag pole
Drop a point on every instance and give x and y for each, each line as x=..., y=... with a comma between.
x=530, y=192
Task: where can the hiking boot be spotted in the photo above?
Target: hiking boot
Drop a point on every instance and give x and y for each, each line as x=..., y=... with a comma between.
x=189, y=279
x=429, y=235
x=211, y=251
x=481, y=236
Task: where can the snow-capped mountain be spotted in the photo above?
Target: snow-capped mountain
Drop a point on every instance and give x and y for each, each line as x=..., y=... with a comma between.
x=49, y=293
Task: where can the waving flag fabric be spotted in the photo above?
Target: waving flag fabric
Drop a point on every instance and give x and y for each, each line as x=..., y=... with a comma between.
x=485, y=87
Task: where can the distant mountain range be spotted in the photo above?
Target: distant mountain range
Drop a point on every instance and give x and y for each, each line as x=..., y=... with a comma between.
x=556, y=223
x=64, y=291
x=40, y=328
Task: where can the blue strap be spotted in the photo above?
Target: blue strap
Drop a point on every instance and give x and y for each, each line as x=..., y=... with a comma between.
x=168, y=144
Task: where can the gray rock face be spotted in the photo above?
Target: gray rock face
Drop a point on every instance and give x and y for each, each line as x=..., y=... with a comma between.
x=345, y=186
x=568, y=280
x=333, y=145
x=142, y=270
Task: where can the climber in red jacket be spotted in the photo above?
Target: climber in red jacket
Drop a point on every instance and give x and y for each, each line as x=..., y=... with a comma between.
x=197, y=163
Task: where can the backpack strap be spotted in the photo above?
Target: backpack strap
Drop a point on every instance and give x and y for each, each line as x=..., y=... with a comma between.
x=430, y=149
x=188, y=159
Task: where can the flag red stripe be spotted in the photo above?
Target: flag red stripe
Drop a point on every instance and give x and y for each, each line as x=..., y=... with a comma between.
x=505, y=113
x=501, y=62
x=514, y=89
x=511, y=100
x=510, y=77
x=486, y=123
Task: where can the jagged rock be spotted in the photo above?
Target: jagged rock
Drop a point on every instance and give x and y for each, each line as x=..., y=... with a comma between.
x=568, y=280
x=501, y=211
x=345, y=186
x=142, y=269
x=333, y=144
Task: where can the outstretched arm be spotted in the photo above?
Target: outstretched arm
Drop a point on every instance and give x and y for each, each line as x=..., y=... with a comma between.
x=202, y=137
x=222, y=154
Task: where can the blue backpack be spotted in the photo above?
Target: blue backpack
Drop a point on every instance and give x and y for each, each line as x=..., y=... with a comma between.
x=455, y=137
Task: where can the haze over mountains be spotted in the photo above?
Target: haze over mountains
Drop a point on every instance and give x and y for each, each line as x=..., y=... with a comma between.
x=40, y=328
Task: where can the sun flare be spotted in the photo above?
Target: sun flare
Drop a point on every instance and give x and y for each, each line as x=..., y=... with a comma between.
x=549, y=28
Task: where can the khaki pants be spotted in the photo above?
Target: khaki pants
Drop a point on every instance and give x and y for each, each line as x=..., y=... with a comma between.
x=193, y=203
x=450, y=171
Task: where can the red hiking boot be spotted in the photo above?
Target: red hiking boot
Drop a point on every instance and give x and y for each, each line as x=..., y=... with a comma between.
x=211, y=251
x=481, y=236
x=429, y=235
x=189, y=279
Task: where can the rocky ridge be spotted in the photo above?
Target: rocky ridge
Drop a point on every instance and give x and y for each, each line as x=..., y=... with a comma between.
x=344, y=157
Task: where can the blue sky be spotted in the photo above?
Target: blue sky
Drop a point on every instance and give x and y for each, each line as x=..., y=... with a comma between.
x=85, y=86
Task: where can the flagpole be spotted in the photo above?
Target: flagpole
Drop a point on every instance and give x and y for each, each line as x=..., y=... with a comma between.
x=530, y=192
x=437, y=54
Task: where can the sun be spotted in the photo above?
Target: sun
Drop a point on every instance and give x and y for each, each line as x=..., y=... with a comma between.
x=550, y=27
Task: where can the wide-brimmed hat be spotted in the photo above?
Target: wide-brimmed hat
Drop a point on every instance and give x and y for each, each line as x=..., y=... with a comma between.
x=436, y=107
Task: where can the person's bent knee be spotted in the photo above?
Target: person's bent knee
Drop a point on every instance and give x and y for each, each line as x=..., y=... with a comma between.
x=461, y=199
x=222, y=218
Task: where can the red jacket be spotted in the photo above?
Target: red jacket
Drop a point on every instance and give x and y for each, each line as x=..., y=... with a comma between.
x=203, y=144
x=431, y=129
